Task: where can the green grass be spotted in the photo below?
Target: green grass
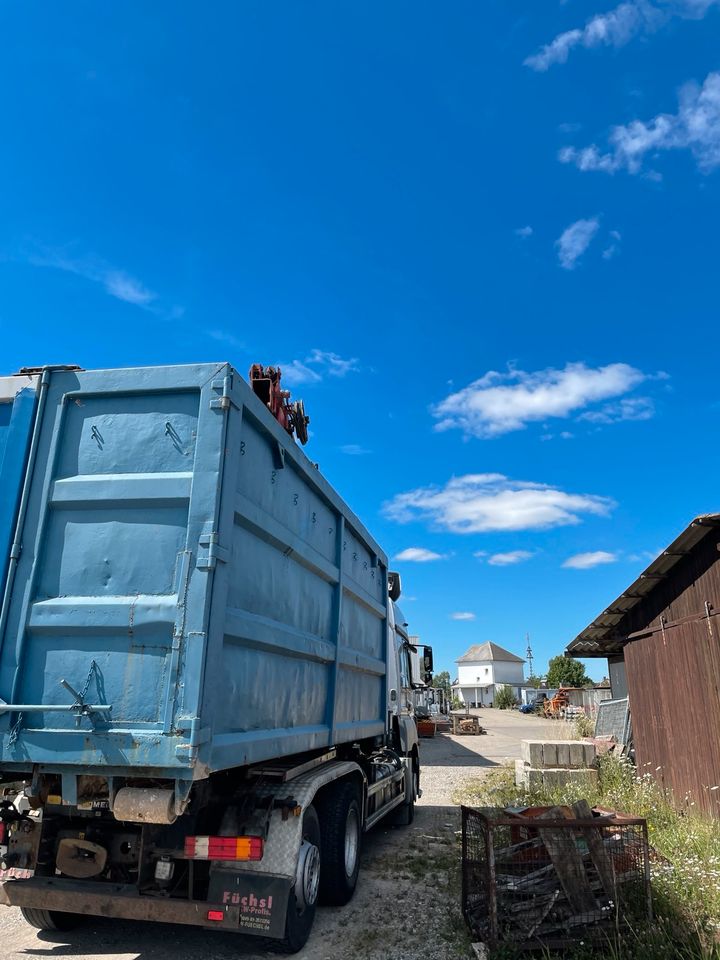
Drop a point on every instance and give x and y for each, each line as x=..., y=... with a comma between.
x=685, y=872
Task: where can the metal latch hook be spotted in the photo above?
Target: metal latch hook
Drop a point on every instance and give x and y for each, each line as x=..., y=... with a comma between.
x=80, y=708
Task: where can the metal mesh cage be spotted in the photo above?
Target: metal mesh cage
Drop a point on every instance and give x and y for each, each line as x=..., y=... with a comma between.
x=550, y=876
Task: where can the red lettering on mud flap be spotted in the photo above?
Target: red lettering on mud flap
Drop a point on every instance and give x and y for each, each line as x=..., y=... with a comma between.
x=261, y=900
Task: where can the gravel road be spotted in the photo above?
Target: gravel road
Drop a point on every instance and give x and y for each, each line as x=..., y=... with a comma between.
x=407, y=903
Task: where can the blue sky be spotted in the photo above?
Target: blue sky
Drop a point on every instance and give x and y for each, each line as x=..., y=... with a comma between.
x=480, y=237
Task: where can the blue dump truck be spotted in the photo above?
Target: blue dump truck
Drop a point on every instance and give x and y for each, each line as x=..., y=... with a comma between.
x=205, y=683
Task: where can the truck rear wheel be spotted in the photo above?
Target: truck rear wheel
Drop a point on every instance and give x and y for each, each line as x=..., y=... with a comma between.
x=49, y=919
x=341, y=834
x=303, y=899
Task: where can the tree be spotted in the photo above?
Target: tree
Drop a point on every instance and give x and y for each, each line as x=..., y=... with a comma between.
x=442, y=680
x=533, y=681
x=564, y=672
x=505, y=698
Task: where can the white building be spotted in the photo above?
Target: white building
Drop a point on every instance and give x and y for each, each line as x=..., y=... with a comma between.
x=483, y=670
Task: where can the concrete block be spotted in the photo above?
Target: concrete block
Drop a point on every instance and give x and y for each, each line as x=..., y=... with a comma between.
x=563, y=755
x=520, y=771
x=531, y=752
x=555, y=754
x=533, y=779
x=577, y=754
x=554, y=779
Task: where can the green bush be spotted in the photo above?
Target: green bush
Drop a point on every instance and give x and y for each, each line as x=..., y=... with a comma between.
x=584, y=726
x=505, y=698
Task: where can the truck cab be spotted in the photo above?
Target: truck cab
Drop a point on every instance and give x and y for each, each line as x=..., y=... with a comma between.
x=401, y=682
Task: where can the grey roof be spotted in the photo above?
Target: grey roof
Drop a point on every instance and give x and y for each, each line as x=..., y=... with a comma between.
x=603, y=637
x=488, y=651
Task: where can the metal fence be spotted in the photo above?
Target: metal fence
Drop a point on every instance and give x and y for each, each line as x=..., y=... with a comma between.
x=554, y=878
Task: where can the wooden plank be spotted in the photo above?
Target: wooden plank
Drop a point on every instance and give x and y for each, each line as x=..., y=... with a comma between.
x=529, y=880
x=492, y=899
x=598, y=853
x=568, y=863
x=507, y=853
x=545, y=911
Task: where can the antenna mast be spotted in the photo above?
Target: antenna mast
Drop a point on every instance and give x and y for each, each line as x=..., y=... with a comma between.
x=529, y=654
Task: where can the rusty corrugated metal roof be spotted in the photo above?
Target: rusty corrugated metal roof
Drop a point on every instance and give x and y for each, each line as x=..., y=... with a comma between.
x=603, y=637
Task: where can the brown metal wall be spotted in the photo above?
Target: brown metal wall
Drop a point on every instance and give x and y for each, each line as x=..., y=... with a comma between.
x=674, y=680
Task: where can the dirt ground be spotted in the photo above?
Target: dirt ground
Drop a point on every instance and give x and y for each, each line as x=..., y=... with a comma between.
x=407, y=903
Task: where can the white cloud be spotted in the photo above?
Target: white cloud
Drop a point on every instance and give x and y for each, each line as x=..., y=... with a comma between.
x=574, y=241
x=117, y=283
x=524, y=232
x=614, y=28
x=335, y=365
x=478, y=503
x=617, y=27
x=586, y=561
x=317, y=365
x=695, y=127
x=499, y=403
x=643, y=556
x=462, y=615
x=125, y=287
x=418, y=555
x=629, y=408
x=613, y=246
x=353, y=450
x=295, y=372
x=223, y=336
x=510, y=558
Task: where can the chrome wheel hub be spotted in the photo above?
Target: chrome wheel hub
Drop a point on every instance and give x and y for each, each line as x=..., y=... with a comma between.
x=352, y=841
x=307, y=878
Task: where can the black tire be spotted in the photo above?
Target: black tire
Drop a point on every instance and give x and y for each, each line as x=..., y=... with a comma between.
x=405, y=813
x=341, y=822
x=301, y=915
x=49, y=919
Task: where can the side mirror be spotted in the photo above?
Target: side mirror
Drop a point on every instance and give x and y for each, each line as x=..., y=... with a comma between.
x=394, y=586
x=428, y=660
x=428, y=679
x=393, y=695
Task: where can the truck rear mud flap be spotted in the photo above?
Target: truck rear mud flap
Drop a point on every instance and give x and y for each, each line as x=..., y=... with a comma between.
x=247, y=904
x=261, y=899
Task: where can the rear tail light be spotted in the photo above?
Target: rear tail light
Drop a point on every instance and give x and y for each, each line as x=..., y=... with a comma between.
x=224, y=848
x=215, y=915
x=3, y=832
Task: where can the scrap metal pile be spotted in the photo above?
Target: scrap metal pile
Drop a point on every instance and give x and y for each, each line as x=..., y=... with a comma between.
x=552, y=875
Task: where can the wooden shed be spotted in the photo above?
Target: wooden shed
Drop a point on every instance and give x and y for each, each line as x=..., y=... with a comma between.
x=662, y=641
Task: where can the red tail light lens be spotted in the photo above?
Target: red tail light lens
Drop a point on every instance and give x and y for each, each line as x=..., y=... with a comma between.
x=215, y=915
x=224, y=848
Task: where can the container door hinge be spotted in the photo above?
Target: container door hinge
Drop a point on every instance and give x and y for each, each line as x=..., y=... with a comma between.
x=227, y=398
x=215, y=553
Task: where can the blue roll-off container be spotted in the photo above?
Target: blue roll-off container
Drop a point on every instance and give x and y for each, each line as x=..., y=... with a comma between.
x=18, y=397
x=191, y=594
